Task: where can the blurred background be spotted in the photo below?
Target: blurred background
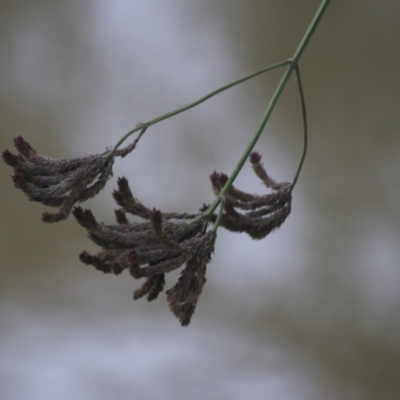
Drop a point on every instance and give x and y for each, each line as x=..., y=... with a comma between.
x=310, y=312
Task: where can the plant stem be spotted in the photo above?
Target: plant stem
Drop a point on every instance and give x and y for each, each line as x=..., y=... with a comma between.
x=293, y=63
x=221, y=212
x=194, y=104
x=305, y=127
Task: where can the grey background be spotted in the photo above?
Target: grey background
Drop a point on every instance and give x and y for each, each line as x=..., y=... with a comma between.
x=310, y=312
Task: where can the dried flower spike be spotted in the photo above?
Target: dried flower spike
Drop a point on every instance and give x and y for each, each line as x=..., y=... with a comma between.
x=59, y=183
x=150, y=249
x=183, y=297
x=263, y=213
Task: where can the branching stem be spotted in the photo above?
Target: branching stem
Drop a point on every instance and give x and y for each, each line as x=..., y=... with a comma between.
x=194, y=104
x=293, y=65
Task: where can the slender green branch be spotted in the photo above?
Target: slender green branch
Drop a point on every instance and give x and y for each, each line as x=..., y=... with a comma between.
x=221, y=211
x=293, y=63
x=305, y=127
x=195, y=103
x=310, y=30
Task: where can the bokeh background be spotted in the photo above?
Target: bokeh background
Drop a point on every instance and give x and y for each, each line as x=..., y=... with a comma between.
x=310, y=312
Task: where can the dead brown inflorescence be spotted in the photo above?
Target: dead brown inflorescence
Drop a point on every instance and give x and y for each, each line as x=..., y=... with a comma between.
x=59, y=183
x=150, y=249
x=257, y=215
x=162, y=242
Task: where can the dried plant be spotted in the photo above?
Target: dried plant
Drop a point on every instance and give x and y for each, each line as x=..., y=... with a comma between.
x=59, y=182
x=150, y=249
x=263, y=213
x=162, y=242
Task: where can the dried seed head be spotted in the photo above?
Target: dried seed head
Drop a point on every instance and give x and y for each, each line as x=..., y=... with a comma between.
x=264, y=213
x=258, y=168
x=150, y=249
x=183, y=297
x=59, y=183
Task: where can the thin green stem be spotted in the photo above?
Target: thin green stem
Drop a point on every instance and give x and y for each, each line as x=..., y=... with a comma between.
x=195, y=103
x=221, y=211
x=293, y=63
x=305, y=135
x=310, y=31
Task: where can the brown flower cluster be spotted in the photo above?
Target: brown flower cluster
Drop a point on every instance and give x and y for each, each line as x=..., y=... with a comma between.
x=59, y=182
x=163, y=243
x=262, y=214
